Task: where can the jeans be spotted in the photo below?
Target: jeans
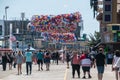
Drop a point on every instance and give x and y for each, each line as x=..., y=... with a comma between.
x=28, y=67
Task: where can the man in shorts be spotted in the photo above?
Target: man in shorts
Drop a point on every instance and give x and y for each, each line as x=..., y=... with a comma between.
x=100, y=62
x=86, y=64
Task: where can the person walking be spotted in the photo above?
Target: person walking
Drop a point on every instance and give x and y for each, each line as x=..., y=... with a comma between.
x=86, y=64
x=110, y=57
x=57, y=56
x=14, y=60
x=28, y=59
x=47, y=61
x=11, y=58
x=40, y=57
x=19, y=60
x=115, y=66
x=67, y=59
x=5, y=59
x=75, y=64
x=100, y=63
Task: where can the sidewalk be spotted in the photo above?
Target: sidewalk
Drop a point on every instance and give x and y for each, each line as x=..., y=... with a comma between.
x=108, y=74
x=57, y=72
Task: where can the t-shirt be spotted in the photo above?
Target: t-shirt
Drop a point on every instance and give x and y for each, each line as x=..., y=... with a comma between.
x=100, y=59
x=86, y=61
x=28, y=56
x=110, y=56
x=39, y=55
x=117, y=64
x=76, y=60
x=115, y=60
x=83, y=56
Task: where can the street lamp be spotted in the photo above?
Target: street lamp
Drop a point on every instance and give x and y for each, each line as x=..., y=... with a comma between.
x=6, y=11
x=6, y=28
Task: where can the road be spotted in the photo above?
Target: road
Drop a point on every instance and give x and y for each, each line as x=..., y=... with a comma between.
x=57, y=72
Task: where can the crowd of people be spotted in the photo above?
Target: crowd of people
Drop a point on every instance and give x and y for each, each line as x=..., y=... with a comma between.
x=84, y=60
x=31, y=57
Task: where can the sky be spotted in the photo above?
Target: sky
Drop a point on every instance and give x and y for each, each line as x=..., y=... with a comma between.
x=47, y=7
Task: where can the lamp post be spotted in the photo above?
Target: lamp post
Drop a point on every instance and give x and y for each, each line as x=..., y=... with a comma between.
x=6, y=26
x=6, y=7
x=22, y=16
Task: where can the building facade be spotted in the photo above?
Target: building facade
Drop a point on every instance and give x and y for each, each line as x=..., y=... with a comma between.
x=109, y=19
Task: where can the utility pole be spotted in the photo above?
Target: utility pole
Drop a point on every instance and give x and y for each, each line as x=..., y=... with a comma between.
x=22, y=16
x=10, y=40
x=6, y=25
x=6, y=11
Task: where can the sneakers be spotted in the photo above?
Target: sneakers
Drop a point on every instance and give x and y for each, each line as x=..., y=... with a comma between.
x=84, y=77
x=30, y=72
x=41, y=68
x=73, y=77
x=89, y=76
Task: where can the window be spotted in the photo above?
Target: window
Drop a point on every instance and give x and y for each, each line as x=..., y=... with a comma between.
x=115, y=27
x=118, y=36
x=115, y=37
x=0, y=29
x=108, y=7
x=107, y=17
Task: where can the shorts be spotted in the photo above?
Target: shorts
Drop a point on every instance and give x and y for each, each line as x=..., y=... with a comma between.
x=39, y=61
x=100, y=69
x=86, y=69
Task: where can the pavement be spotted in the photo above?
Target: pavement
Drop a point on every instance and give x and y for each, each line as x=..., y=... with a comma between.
x=57, y=72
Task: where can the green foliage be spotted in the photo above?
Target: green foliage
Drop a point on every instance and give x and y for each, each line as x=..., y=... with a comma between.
x=94, y=39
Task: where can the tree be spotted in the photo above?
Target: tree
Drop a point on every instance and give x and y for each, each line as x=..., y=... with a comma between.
x=94, y=39
x=94, y=5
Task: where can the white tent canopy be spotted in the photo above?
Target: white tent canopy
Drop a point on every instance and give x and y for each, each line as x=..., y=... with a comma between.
x=31, y=49
x=61, y=50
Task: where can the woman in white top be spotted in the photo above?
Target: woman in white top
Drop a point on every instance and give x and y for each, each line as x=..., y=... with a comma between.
x=115, y=60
